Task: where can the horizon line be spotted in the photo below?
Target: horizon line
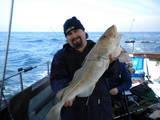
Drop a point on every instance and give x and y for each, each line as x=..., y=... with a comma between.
x=86, y=31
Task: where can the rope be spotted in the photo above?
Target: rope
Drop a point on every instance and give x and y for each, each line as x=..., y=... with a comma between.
x=5, y=62
x=7, y=49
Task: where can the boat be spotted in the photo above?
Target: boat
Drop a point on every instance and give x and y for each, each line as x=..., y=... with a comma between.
x=34, y=102
x=143, y=98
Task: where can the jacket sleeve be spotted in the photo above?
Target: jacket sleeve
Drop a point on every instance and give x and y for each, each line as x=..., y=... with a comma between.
x=58, y=76
x=125, y=77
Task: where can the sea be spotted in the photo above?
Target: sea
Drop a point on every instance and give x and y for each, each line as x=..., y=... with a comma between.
x=36, y=50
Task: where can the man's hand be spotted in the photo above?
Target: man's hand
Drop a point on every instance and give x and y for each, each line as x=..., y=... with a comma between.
x=113, y=91
x=68, y=103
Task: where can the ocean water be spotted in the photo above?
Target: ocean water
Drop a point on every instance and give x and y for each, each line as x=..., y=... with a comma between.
x=35, y=49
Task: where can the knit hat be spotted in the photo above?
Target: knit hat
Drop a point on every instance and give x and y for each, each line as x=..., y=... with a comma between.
x=71, y=24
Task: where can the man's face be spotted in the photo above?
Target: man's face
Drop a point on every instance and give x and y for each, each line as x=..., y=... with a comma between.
x=76, y=38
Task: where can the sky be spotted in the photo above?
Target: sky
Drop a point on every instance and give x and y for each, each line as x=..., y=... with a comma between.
x=95, y=15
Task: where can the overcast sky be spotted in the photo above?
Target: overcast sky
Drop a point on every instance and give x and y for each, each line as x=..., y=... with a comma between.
x=96, y=15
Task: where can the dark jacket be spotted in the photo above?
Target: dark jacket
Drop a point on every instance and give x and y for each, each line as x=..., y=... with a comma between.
x=67, y=60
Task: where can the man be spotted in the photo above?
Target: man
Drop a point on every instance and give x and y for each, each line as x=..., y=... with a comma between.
x=66, y=61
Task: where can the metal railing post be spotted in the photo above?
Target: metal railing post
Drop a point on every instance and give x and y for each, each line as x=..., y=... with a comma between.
x=21, y=80
x=48, y=68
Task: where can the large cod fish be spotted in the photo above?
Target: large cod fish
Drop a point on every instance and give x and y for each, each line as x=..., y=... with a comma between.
x=95, y=64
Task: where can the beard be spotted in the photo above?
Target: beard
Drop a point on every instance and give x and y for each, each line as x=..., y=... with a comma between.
x=77, y=43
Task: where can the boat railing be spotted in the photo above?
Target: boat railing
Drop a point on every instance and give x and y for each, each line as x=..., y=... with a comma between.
x=131, y=41
x=23, y=70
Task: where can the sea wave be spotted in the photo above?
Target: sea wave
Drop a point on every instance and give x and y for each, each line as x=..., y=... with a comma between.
x=31, y=49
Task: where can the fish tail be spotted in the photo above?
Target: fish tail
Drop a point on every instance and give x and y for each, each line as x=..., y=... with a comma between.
x=55, y=112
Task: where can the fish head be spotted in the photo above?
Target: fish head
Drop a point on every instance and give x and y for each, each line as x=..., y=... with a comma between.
x=110, y=40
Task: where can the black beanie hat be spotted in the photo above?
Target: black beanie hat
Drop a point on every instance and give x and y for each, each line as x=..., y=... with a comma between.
x=72, y=23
